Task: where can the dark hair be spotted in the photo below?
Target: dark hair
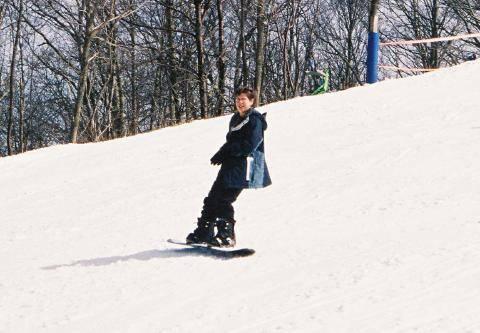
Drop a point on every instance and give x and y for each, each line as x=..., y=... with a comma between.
x=251, y=94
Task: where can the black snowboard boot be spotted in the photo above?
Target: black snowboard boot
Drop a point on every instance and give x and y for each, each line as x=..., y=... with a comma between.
x=225, y=234
x=203, y=233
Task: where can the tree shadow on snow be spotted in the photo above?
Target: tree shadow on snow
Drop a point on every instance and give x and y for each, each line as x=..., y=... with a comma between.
x=149, y=255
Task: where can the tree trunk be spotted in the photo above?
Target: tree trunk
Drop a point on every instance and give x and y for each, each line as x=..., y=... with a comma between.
x=133, y=84
x=189, y=91
x=294, y=40
x=285, y=63
x=243, y=47
x=202, y=80
x=117, y=118
x=260, y=53
x=172, y=63
x=434, y=60
x=2, y=13
x=82, y=81
x=155, y=112
x=373, y=16
x=11, y=82
x=350, y=50
x=21, y=108
x=221, y=59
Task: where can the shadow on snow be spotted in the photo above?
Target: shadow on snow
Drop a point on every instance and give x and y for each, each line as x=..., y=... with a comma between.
x=154, y=254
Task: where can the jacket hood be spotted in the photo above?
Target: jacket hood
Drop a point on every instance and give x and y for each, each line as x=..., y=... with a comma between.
x=261, y=116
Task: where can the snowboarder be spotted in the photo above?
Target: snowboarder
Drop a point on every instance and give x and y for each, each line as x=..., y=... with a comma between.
x=242, y=160
x=321, y=81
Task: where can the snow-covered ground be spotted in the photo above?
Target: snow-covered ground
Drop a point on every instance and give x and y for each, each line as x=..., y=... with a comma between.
x=372, y=223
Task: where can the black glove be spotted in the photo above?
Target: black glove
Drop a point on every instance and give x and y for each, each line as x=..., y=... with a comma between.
x=217, y=159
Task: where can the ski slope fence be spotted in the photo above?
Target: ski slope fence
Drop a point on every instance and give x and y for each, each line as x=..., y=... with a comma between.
x=374, y=45
x=419, y=41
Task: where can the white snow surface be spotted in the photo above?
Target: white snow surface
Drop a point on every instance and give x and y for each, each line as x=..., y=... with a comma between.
x=372, y=223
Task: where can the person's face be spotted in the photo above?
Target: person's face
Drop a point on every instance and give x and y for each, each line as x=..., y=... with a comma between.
x=243, y=103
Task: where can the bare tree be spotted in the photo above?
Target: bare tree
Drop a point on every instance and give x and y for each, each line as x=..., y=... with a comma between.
x=12, y=78
x=90, y=70
x=200, y=8
x=419, y=19
x=172, y=61
x=221, y=59
x=468, y=13
x=341, y=26
x=260, y=51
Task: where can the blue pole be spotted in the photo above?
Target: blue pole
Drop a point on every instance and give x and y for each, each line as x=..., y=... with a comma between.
x=372, y=57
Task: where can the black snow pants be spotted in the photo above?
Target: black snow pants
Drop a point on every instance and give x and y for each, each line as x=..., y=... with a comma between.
x=219, y=202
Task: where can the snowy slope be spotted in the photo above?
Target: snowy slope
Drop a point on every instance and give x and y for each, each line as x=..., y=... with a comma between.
x=372, y=224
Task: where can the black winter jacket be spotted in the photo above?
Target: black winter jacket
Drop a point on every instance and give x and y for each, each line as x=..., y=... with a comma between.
x=243, y=155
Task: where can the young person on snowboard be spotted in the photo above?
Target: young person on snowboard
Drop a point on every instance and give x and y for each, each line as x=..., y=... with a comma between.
x=242, y=160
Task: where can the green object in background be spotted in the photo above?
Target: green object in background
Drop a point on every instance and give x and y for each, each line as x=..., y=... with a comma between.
x=324, y=81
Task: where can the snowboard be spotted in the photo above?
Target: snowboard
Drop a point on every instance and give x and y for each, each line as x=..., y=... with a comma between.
x=222, y=252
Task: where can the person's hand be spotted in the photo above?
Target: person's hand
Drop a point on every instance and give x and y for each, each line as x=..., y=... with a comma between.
x=217, y=159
